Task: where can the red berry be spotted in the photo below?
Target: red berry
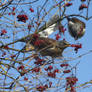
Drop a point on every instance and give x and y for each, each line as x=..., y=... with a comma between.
x=4, y=53
x=77, y=45
x=13, y=13
x=83, y=0
x=72, y=89
x=36, y=69
x=56, y=71
x=68, y=78
x=31, y=10
x=67, y=71
x=41, y=88
x=22, y=18
x=21, y=67
x=50, y=67
x=29, y=27
x=6, y=47
x=39, y=61
x=75, y=79
x=9, y=13
x=71, y=80
x=68, y=4
x=62, y=29
x=13, y=9
x=46, y=69
x=37, y=23
x=52, y=74
x=63, y=65
x=3, y=32
x=12, y=56
x=58, y=36
x=25, y=78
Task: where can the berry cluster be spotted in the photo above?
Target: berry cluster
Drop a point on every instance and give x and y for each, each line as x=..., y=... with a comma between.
x=3, y=32
x=68, y=4
x=22, y=18
x=39, y=61
x=42, y=88
x=36, y=69
x=36, y=40
x=77, y=46
x=4, y=53
x=22, y=70
x=13, y=11
x=58, y=36
x=82, y=6
x=65, y=66
x=50, y=72
x=62, y=29
x=70, y=82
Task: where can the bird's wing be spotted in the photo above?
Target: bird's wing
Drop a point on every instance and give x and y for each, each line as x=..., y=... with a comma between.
x=49, y=27
x=47, y=42
x=52, y=21
x=48, y=31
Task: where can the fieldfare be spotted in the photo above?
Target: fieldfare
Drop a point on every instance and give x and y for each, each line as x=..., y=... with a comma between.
x=47, y=46
x=76, y=27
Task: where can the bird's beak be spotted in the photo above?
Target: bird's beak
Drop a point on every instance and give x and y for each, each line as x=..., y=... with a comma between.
x=68, y=45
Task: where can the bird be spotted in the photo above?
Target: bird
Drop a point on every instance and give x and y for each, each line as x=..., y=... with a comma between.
x=41, y=43
x=76, y=27
x=47, y=46
x=49, y=27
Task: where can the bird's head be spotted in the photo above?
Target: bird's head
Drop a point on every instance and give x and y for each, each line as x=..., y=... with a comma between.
x=64, y=44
